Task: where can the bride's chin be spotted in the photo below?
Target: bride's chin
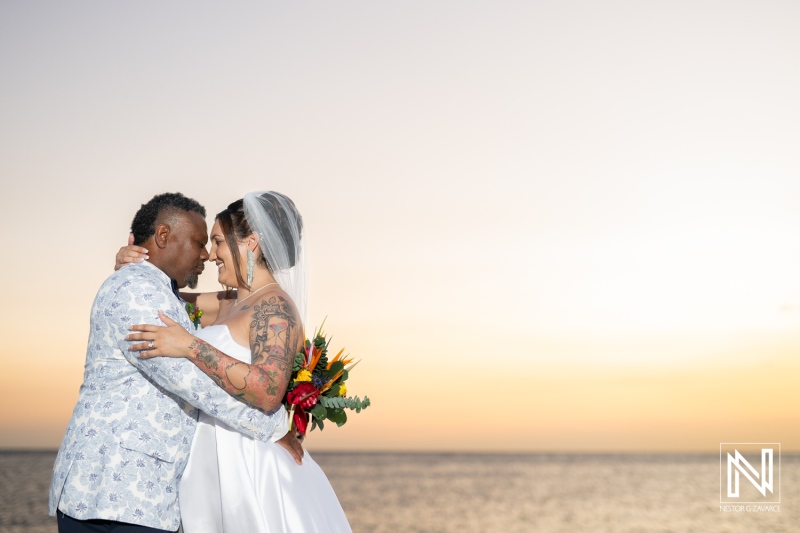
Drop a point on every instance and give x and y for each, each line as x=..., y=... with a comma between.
x=222, y=279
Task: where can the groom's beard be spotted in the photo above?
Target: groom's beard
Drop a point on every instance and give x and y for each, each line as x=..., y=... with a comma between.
x=191, y=280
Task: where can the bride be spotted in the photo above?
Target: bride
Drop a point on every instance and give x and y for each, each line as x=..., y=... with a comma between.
x=231, y=482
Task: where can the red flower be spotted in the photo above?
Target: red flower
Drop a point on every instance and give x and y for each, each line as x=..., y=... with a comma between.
x=300, y=420
x=303, y=396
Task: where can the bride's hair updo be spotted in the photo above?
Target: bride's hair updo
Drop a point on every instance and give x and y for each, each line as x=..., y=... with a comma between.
x=235, y=228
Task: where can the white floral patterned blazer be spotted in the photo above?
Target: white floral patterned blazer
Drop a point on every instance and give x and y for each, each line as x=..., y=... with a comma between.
x=130, y=433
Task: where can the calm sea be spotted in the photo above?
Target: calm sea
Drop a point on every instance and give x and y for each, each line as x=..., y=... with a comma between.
x=415, y=492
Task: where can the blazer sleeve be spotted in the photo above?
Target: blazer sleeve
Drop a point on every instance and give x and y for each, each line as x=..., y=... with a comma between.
x=138, y=302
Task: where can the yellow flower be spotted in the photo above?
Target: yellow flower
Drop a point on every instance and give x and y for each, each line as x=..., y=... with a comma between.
x=342, y=389
x=303, y=375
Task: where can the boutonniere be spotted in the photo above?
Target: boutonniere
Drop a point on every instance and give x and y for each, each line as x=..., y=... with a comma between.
x=194, y=314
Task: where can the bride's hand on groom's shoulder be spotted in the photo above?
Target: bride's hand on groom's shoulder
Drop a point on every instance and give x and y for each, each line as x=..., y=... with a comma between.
x=130, y=254
x=161, y=341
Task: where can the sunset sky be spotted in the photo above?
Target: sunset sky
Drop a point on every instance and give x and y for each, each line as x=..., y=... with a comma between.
x=542, y=226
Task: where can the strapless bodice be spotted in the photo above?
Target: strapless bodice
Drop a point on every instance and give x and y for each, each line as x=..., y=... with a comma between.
x=235, y=483
x=219, y=336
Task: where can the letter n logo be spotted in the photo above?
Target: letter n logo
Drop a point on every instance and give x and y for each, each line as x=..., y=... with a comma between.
x=756, y=463
x=738, y=464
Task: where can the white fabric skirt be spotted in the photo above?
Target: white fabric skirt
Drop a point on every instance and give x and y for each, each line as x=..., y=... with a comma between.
x=236, y=484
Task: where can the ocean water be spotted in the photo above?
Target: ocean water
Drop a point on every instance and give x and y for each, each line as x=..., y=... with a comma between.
x=442, y=492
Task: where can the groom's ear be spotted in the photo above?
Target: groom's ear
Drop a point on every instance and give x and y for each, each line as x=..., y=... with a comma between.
x=161, y=235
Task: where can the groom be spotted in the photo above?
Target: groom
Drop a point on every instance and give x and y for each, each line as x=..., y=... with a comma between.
x=130, y=434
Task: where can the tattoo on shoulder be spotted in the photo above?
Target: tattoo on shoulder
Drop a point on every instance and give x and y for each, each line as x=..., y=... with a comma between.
x=273, y=331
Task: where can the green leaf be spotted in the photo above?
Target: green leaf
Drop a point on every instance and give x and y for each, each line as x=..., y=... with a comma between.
x=319, y=411
x=331, y=403
x=338, y=416
x=340, y=402
x=332, y=392
x=319, y=343
x=342, y=419
x=297, y=364
x=335, y=367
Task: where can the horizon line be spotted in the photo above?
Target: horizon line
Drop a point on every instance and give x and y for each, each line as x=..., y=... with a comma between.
x=470, y=452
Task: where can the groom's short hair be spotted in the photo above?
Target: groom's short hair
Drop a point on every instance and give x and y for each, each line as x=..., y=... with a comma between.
x=156, y=212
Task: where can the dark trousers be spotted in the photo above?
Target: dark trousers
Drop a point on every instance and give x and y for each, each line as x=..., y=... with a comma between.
x=67, y=524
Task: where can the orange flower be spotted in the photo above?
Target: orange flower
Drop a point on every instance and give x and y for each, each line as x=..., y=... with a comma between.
x=315, y=355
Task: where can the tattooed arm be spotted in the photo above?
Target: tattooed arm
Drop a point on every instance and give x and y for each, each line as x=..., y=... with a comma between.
x=275, y=334
x=137, y=300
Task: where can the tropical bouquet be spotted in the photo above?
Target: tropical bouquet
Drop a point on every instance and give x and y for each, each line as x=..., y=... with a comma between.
x=317, y=389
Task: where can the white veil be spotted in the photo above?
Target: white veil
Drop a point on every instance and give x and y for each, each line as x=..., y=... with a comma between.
x=279, y=226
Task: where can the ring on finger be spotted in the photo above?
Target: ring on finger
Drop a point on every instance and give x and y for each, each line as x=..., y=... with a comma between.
x=151, y=345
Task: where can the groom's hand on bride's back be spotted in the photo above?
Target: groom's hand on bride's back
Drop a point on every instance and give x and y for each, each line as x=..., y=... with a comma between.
x=293, y=446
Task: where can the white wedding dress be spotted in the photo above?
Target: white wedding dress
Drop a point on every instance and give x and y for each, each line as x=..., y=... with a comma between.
x=235, y=484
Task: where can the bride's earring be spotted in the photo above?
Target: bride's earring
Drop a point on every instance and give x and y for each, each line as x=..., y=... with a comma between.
x=251, y=263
